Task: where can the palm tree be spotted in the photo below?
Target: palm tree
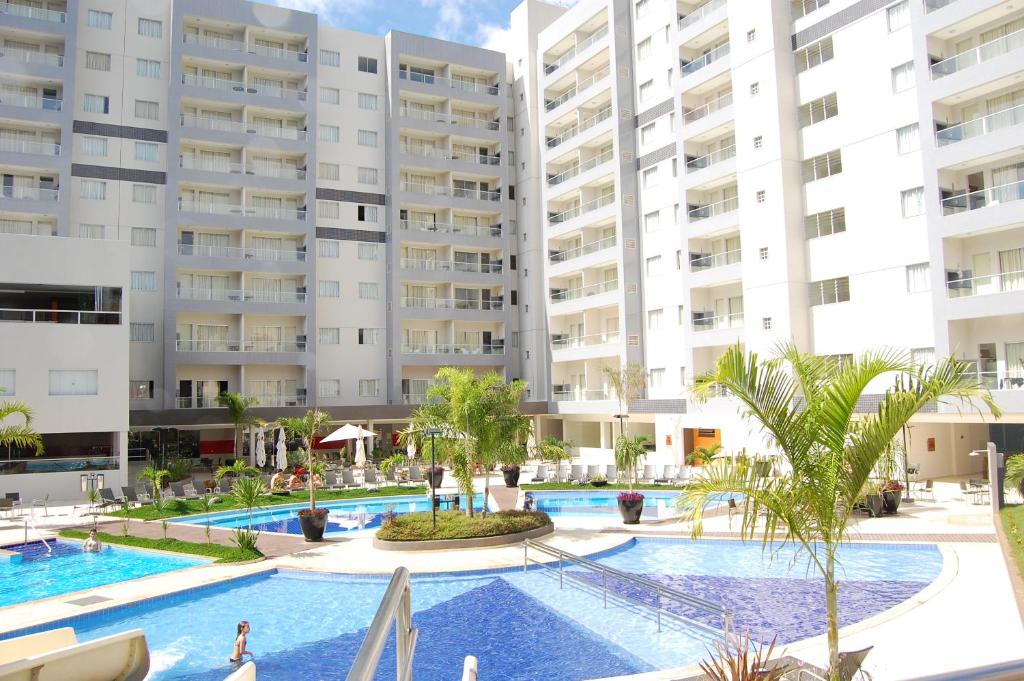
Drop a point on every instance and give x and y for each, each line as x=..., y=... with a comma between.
x=629, y=383
x=21, y=434
x=556, y=451
x=629, y=452
x=156, y=477
x=306, y=428
x=238, y=412
x=807, y=407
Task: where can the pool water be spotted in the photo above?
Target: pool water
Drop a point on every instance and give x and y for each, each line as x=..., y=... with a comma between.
x=35, y=574
x=308, y=626
x=657, y=503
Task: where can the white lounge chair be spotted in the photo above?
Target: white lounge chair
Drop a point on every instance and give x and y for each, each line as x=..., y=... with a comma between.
x=576, y=475
x=611, y=472
x=56, y=655
x=370, y=478
x=542, y=473
x=649, y=473
x=593, y=471
x=348, y=479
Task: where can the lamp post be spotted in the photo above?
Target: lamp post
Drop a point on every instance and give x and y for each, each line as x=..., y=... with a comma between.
x=433, y=433
x=621, y=418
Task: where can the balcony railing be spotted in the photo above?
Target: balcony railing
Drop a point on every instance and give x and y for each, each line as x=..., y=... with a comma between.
x=588, y=341
x=562, y=295
x=17, y=10
x=705, y=10
x=589, y=206
x=986, y=284
x=259, y=169
x=277, y=92
x=455, y=84
x=16, y=146
x=579, y=168
x=210, y=207
x=713, y=260
x=576, y=49
x=995, y=379
x=50, y=316
x=708, y=160
x=1004, y=193
x=704, y=60
x=239, y=346
x=275, y=400
x=981, y=126
x=211, y=83
x=450, y=266
x=238, y=295
x=451, y=304
x=728, y=321
x=573, y=130
x=713, y=209
x=447, y=228
x=30, y=101
x=31, y=57
x=414, y=398
x=217, y=124
x=580, y=251
x=976, y=55
x=210, y=165
x=572, y=90
x=721, y=102
x=29, y=193
x=452, y=349
x=477, y=194
x=442, y=117
x=214, y=42
x=932, y=5
x=237, y=253
x=278, y=53
x=581, y=394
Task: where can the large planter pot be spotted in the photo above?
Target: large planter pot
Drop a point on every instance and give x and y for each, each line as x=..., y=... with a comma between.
x=874, y=504
x=891, y=500
x=511, y=477
x=435, y=479
x=599, y=483
x=313, y=523
x=631, y=510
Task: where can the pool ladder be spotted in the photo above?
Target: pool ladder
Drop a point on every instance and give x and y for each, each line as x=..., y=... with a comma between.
x=49, y=549
x=396, y=605
x=661, y=593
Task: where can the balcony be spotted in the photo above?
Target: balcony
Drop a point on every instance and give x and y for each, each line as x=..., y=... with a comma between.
x=238, y=295
x=580, y=168
x=11, y=55
x=237, y=86
x=450, y=266
x=51, y=316
x=455, y=192
x=694, y=115
x=988, y=284
x=713, y=209
x=977, y=55
x=242, y=128
x=702, y=12
x=30, y=101
x=213, y=208
x=573, y=90
x=708, y=160
x=579, y=48
x=209, y=165
x=993, y=196
x=236, y=253
x=228, y=45
x=703, y=262
x=454, y=84
x=451, y=304
x=995, y=379
x=932, y=5
x=16, y=146
x=446, y=155
x=281, y=171
x=711, y=323
x=556, y=257
x=442, y=117
x=447, y=228
x=26, y=12
x=588, y=207
x=414, y=398
x=577, y=128
x=588, y=341
x=582, y=394
x=720, y=52
x=981, y=126
x=239, y=346
x=452, y=349
x=29, y=193
x=567, y=294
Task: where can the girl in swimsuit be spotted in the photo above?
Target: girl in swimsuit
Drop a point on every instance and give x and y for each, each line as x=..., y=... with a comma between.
x=240, y=641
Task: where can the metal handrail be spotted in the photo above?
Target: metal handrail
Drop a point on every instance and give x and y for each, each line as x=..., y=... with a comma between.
x=576, y=49
x=595, y=204
x=977, y=55
x=714, y=105
x=990, y=196
x=17, y=10
x=586, y=124
x=580, y=251
x=660, y=592
x=710, y=159
x=395, y=605
x=712, y=209
x=696, y=15
x=704, y=60
x=580, y=168
x=573, y=90
x=51, y=316
x=983, y=125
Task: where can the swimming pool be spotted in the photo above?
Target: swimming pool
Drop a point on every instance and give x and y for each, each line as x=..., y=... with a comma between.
x=521, y=626
x=657, y=503
x=34, y=573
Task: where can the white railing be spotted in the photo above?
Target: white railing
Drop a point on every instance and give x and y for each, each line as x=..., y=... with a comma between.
x=214, y=42
x=976, y=55
x=252, y=345
x=278, y=53
x=704, y=10
x=450, y=266
x=714, y=105
x=727, y=321
x=182, y=345
x=212, y=83
x=579, y=168
x=17, y=146
x=578, y=48
x=704, y=60
x=455, y=84
x=711, y=159
x=451, y=304
x=50, y=316
x=276, y=213
x=713, y=260
x=986, y=284
x=239, y=295
x=447, y=228
x=452, y=349
x=209, y=207
x=1013, y=115
x=572, y=90
x=211, y=165
x=277, y=92
x=932, y=5
x=713, y=209
x=30, y=101
x=426, y=152
x=18, y=10
x=477, y=194
x=29, y=193
x=1004, y=193
x=395, y=606
x=602, y=115
x=275, y=400
x=580, y=251
x=587, y=341
x=589, y=206
x=562, y=295
x=282, y=132
x=442, y=117
x=31, y=57
x=259, y=169
x=428, y=189
x=238, y=253
x=414, y=398
x=581, y=394
x=203, y=123
x=1000, y=378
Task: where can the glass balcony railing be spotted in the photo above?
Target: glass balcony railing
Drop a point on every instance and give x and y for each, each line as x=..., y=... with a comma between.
x=182, y=345
x=238, y=295
x=997, y=377
x=237, y=253
x=578, y=48
x=452, y=349
x=448, y=228
x=713, y=260
x=29, y=193
x=582, y=394
x=59, y=465
x=450, y=266
x=977, y=55
x=210, y=165
x=443, y=117
x=981, y=126
x=50, y=316
x=230, y=45
x=588, y=207
x=580, y=168
x=987, y=284
x=577, y=128
x=18, y=10
x=983, y=198
x=587, y=341
x=17, y=146
x=212, y=83
x=573, y=90
x=721, y=102
x=711, y=159
x=451, y=304
x=710, y=323
x=453, y=83
x=566, y=294
x=713, y=209
x=21, y=101
x=16, y=56
x=686, y=68
x=704, y=11
x=556, y=256
x=932, y=5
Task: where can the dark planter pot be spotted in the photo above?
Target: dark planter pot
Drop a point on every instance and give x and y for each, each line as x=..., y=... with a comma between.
x=631, y=511
x=598, y=483
x=511, y=477
x=874, y=503
x=891, y=501
x=313, y=524
x=435, y=479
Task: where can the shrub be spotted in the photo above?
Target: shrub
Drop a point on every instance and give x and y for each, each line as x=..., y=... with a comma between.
x=630, y=497
x=179, y=469
x=246, y=540
x=455, y=525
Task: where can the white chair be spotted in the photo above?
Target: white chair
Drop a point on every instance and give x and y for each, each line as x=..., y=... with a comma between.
x=41, y=503
x=542, y=473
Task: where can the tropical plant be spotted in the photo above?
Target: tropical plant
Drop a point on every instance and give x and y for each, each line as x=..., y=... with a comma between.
x=628, y=382
x=19, y=435
x=246, y=540
x=162, y=505
x=238, y=412
x=126, y=509
x=156, y=477
x=702, y=455
x=206, y=504
x=629, y=452
x=1015, y=472
x=554, y=450
x=306, y=428
x=238, y=468
x=807, y=408
x=410, y=435
x=248, y=492
x=393, y=461
x=737, y=658
x=92, y=496
x=178, y=469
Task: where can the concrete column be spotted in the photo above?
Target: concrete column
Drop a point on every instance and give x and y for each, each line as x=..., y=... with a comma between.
x=996, y=471
x=120, y=446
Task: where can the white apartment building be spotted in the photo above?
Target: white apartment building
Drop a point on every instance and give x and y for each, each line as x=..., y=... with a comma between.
x=210, y=196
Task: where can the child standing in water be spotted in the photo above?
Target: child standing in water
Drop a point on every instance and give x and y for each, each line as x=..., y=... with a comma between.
x=240, y=643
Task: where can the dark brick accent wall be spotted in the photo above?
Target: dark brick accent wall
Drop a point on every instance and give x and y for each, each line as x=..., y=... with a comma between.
x=349, y=196
x=121, y=174
x=351, y=235
x=837, y=21
x=122, y=131
x=648, y=160
x=656, y=111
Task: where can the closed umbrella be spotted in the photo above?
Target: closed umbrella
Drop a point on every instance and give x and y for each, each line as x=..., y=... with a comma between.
x=261, y=448
x=360, y=453
x=410, y=450
x=282, y=451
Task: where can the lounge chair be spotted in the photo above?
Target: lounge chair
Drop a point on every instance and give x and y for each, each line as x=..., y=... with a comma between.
x=563, y=472
x=223, y=486
x=370, y=478
x=542, y=473
x=682, y=476
x=392, y=476
x=178, y=490
x=7, y=506
x=649, y=473
x=576, y=473
x=850, y=668
x=415, y=474
x=331, y=480
x=15, y=498
x=107, y=498
x=928, y=489
x=593, y=471
x=57, y=654
x=41, y=503
x=144, y=494
x=667, y=473
x=131, y=495
x=611, y=472
x=191, y=492
x=348, y=479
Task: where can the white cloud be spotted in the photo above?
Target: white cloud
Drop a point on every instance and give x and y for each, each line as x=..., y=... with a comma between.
x=328, y=10
x=494, y=37
x=451, y=17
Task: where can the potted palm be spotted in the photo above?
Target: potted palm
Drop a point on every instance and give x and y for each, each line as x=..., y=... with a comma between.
x=871, y=498
x=702, y=455
x=892, y=494
x=511, y=474
x=435, y=476
x=313, y=520
x=629, y=452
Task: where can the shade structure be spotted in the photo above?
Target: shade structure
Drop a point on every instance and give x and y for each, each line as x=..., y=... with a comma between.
x=348, y=432
x=360, y=453
x=261, y=448
x=282, y=451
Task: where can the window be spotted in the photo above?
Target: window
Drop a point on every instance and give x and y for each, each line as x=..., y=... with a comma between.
x=97, y=61
x=329, y=133
x=329, y=336
x=368, y=65
x=823, y=166
x=903, y=77
x=645, y=90
x=147, y=68
x=330, y=58
x=654, y=319
x=144, y=193
x=653, y=266
x=366, y=213
x=751, y=35
x=96, y=104
x=98, y=19
x=142, y=332
x=655, y=378
x=912, y=201
x=918, y=277
x=652, y=221
x=146, y=151
x=148, y=110
x=329, y=210
x=93, y=189
x=144, y=236
x=329, y=171
x=675, y=167
x=825, y=223
x=328, y=248
x=758, y=142
x=804, y=7
x=87, y=231
x=370, y=336
x=898, y=15
x=143, y=281
x=140, y=389
x=647, y=133
x=329, y=289
x=7, y=382
x=766, y=323
x=760, y=196
x=328, y=387
x=367, y=101
x=908, y=138
x=650, y=177
x=818, y=110
x=829, y=291
x=366, y=138
x=150, y=28
x=368, y=251
x=369, y=290
x=679, y=260
x=813, y=55
x=94, y=146
x=642, y=8
x=330, y=95
x=922, y=356
x=755, y=87
x=367, y=175
x=74, y=382
x=369, y=387
x=643, y=50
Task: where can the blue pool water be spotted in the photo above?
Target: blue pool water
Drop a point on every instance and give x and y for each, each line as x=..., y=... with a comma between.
x=308, y=626
x=657, y=503
x=36, y=574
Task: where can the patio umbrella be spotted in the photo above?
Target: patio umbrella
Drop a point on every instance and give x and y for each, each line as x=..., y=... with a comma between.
x=282, y=451
x=410, y=450
x=261, y=448
x=348, y=432
x=360, y=453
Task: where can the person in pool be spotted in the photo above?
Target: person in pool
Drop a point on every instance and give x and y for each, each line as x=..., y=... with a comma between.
x=240, y=644
x=92, y=544
x=528, y=502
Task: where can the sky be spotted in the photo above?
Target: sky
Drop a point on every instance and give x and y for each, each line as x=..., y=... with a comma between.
x=475, y=22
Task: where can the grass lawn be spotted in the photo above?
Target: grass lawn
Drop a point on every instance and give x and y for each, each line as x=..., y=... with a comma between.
x=223, y=554
x=1013, y=525
x=458, y=525
x=616, y=486
x=179, y=507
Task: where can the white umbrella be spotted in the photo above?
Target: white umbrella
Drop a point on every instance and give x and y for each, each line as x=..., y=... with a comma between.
x=261, y=448
x=282, y=451
x=410, y=450
x=360, y=453
x=348, y=432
